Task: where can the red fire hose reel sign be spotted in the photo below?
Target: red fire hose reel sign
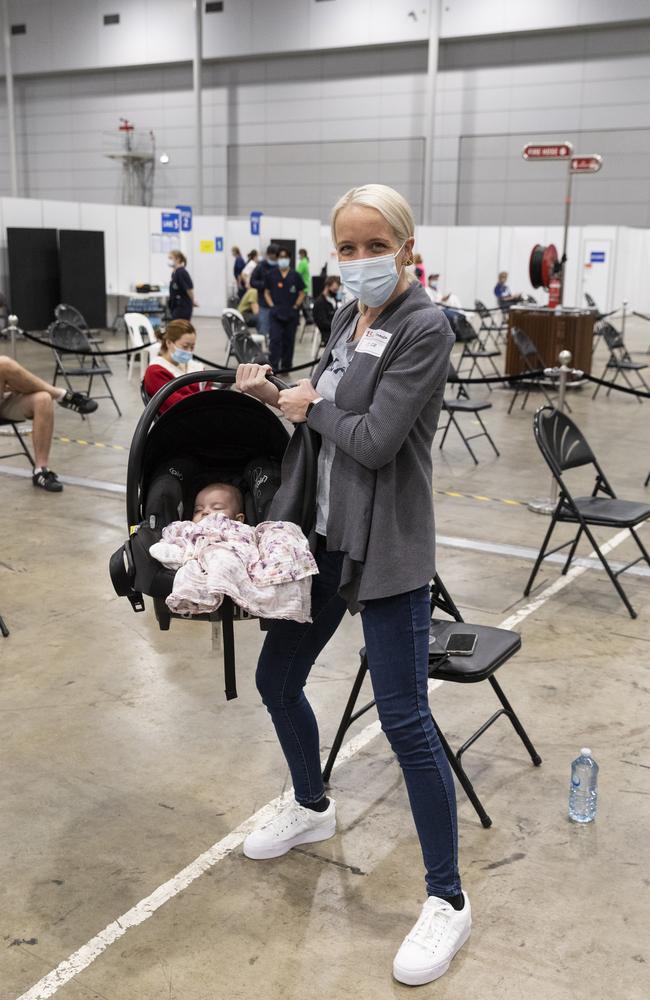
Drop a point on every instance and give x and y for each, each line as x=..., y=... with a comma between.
x=554, y=151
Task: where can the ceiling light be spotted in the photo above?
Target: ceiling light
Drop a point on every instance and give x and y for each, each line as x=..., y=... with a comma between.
x=164, y=157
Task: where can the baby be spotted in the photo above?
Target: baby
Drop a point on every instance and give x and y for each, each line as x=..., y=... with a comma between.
x=218, y=498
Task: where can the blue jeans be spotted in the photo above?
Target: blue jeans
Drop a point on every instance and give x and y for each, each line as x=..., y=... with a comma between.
x=396, y=633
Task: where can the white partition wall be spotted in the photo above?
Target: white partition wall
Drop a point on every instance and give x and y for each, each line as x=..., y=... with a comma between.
x=468, y=258
x=133, y=247
x=61, y=215
x=209, y=263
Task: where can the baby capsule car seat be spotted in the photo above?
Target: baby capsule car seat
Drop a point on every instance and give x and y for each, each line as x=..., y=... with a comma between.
x=207, y=437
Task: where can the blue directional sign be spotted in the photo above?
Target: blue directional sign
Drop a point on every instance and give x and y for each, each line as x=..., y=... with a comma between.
x=218, y=243
x=597, y=257
x=255, y=223
x=170, y=222
x=186, y=218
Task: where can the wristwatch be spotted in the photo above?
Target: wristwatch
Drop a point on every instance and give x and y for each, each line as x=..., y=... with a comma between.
x=311, y=406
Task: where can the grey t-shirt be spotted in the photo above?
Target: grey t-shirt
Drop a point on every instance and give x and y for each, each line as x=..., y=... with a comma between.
x=326, y=387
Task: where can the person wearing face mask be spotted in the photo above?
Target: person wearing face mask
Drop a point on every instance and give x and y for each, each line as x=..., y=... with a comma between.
x=176, y=357
x=284, y=293
x=325, y=306
x=373, y=401
x=258, y=281
x=181, y=289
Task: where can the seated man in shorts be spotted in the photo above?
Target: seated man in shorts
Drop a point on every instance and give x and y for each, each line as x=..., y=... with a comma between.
x=24, y=396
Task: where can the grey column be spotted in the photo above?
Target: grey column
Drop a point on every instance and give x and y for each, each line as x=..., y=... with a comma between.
x=429, y=111
x=11, y=116
x=198, y=110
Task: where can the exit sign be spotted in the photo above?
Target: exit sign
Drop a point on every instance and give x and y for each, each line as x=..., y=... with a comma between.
x=588, y=164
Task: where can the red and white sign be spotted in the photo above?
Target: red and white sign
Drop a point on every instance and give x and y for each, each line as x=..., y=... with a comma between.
x=539, y=151
x=588, y=164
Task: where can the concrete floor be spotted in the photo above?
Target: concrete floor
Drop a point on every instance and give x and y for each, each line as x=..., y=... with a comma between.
x=123, y=762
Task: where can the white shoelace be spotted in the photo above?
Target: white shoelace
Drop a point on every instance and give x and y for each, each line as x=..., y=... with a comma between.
x=431, y=926
x=284, y=821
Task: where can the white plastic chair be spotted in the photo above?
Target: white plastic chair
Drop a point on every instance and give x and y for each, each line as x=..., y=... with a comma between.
x=141, y=334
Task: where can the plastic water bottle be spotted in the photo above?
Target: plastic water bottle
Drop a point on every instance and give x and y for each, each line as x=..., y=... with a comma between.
x=583, y=791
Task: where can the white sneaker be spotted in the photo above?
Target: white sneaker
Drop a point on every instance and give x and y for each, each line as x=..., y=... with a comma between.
x=293, y=826
x=428, y=949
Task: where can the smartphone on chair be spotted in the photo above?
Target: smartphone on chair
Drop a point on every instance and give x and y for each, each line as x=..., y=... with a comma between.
x=461, y=643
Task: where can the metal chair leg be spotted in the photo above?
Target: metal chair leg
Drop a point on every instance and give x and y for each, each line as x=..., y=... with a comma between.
x=538, y=561
x=347, y=718
x=485, y=431
x=110, y=393
x=640, y=544
x=28, y=454
x=621, y=593
x=512, y=715
x=463, y=779
x=571, y=554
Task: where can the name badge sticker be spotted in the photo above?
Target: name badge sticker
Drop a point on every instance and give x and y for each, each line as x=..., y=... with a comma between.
x=373, y=342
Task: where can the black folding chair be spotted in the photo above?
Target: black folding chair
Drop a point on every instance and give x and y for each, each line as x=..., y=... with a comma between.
x=564, y=447
x=70, y=314
x=619, y=360
x=24, y=450
x=533, y=362
x=89, y=364
x=472, y=356
x=245, y=347
x=490, y=329
x=463, y=404
x=591, y=302
x=494, y=647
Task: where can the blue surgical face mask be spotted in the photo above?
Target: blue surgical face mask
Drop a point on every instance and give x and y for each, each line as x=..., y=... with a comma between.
x=371, y=280
x=181, y=357
x=273, y=263
x=283, y=263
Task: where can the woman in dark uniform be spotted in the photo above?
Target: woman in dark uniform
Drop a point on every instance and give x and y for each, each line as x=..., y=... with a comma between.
x=181, y=289
x=284, y=292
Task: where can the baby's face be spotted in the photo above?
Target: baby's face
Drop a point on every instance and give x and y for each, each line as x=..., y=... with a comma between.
x=216, y=500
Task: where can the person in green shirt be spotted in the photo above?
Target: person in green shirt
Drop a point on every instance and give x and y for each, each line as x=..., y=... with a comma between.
x=304, y=271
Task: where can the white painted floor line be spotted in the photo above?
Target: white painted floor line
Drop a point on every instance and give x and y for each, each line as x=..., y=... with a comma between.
x=530, y=555
x=86, y=955
x=91, y=484
x=561, y=582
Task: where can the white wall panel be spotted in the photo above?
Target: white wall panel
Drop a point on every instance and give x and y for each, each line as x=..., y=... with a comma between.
x=61, y=215
x=22, y=212
x=209, y=270
x=133, y=243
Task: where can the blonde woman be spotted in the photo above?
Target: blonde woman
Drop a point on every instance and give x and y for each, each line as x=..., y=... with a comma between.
x=374, y=400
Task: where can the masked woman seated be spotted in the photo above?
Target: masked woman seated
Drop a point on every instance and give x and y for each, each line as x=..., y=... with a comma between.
x=176, y=357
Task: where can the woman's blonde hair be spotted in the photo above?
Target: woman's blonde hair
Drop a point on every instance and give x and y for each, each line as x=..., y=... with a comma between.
x=392, y=205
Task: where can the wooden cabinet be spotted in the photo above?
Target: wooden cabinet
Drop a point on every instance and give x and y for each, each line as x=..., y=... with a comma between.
x=551, y=332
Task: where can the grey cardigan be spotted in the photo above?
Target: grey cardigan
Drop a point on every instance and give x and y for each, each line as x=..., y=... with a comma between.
x=383, y=420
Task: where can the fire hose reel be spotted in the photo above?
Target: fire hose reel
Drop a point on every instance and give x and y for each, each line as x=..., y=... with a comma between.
x=544, y=271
